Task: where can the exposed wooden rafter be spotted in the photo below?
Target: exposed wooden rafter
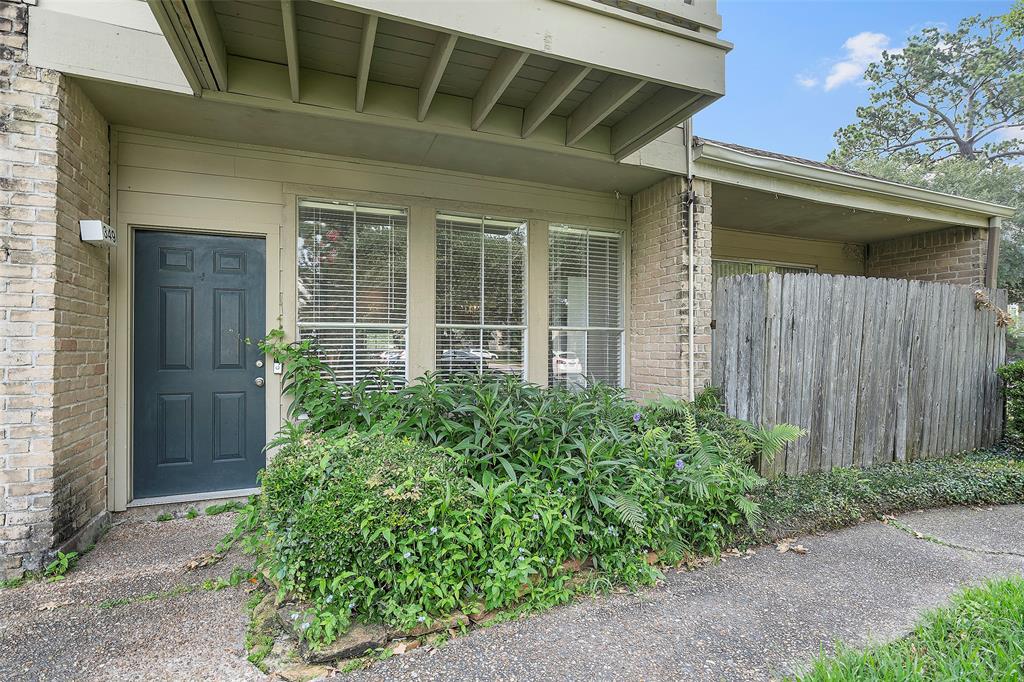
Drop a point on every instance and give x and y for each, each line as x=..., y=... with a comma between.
x=608, y=97
x=365, y=54
x=667, y=108
x=551, y=95
x=166, y=20
x=443, y=49
x=291, y=45
x=505, y=68
x=204, y=18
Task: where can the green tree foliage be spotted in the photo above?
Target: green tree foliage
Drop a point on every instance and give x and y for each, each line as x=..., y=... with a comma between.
x=947, y=94
x=947, y=113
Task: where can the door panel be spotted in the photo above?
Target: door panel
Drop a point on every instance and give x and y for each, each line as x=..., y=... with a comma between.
x=199, y=415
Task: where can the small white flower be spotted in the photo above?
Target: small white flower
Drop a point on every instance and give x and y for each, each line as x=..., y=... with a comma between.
x=330, y=598
x=407, y=554
x=536, y=516
x=295, y=616
x=421, y=619
x=304, y=626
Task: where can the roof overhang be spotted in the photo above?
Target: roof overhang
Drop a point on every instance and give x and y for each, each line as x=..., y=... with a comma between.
x=767, y=193
x=606, y=78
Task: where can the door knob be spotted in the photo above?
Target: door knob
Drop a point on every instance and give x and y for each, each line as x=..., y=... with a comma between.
x=260, y=381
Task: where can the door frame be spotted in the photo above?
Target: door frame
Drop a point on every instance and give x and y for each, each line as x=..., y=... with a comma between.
x=120, y=368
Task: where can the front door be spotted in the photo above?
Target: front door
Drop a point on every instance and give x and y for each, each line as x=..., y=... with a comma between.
x=199, y=402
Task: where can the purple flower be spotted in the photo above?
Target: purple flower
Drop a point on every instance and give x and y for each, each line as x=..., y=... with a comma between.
x=433, y=530
x=680, y=464
x=637, y=417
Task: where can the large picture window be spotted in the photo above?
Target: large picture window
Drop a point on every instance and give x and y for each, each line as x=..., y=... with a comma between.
x=352, y=269
x=481, y=295
x=585, y=292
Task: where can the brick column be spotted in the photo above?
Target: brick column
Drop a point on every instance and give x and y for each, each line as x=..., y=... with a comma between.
x=659, y=311
x=54, y=156
x=956, y=256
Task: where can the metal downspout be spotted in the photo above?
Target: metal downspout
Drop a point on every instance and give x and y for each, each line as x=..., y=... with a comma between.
x=690, y=197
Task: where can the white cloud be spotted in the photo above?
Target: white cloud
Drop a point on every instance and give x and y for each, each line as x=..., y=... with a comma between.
x=806, y=81
x=861, y=50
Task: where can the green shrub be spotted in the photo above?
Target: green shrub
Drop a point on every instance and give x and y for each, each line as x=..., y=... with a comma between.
x=404, y=504
x=1013, y=387
x=387, y=529
x=821, y=501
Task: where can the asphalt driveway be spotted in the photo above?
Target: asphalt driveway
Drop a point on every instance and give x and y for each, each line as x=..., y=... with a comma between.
x=130, y=611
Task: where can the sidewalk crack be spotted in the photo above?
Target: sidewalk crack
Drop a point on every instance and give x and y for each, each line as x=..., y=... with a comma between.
x=893, y=522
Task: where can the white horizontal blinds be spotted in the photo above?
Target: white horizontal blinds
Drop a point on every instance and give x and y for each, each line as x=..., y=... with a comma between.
x=480, y=295
x=585, y=300
x=352, y=301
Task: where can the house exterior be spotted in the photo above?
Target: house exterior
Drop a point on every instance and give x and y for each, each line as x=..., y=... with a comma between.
x=494, y=187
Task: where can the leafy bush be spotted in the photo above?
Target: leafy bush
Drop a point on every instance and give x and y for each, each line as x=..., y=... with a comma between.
x=405, y=504
x=1013, y=386
x=822, y=501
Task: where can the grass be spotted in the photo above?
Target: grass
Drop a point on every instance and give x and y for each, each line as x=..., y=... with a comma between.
x=978, y=637
x=230, y=506
x=841, y=497
x=165, y=517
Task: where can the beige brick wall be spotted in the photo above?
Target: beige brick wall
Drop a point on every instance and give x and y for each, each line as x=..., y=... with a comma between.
x=53, y=305
x=956, y=255
x=659, y=315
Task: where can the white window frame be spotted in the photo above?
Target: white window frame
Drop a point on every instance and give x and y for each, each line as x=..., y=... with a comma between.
x=355, y=324
x=623, y=296
x=482, y=327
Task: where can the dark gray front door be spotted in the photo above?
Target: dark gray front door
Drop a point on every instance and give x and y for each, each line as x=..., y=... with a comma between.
x=199, y=412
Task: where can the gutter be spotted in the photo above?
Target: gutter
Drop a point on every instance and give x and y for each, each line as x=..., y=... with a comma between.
x=718, y=154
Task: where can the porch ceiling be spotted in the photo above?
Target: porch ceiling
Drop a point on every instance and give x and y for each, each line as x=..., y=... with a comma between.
x=752, y=210
x=580, y=83
x=311, y=131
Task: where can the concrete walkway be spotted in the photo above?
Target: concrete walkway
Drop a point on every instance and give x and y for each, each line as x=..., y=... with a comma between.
x=743, y=619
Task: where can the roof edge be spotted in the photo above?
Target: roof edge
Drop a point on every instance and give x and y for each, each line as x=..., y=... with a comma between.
x=710, y=151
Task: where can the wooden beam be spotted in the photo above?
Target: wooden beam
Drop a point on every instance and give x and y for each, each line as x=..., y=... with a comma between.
x=365, y=54
x=608, y=97
x=662, y=111
x=162, y=13
x=992, y=253
x=204, y=18
x=551, y=95
x=505, y=68
x=443, y=49
x=291, y=45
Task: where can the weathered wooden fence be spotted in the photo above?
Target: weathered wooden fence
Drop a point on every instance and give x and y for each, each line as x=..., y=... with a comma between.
x=875, y=370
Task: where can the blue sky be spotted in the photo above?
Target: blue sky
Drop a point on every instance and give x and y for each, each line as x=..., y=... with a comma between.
x=793, y=77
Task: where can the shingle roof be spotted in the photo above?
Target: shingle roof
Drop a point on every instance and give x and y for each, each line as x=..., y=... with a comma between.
x=783, y=157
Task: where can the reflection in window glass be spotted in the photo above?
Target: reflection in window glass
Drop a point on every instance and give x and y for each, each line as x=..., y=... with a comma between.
x=352, y=269
x=585, y=306
x=480, y=295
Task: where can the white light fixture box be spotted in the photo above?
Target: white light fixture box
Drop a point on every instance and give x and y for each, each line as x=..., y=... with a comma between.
x=97, y=233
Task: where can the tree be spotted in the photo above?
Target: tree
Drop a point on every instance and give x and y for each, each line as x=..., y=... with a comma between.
x=956, y=94
x=947, y=113
x=1014, y=20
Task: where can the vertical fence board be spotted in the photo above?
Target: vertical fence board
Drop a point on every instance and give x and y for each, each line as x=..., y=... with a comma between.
x=876, y=370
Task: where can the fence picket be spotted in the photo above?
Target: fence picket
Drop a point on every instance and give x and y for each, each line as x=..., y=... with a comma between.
x=876, y=370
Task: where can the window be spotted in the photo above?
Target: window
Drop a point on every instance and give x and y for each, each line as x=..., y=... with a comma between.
x=724, y=268
x=481, y=295
x=585, y=306
x=352, y=269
